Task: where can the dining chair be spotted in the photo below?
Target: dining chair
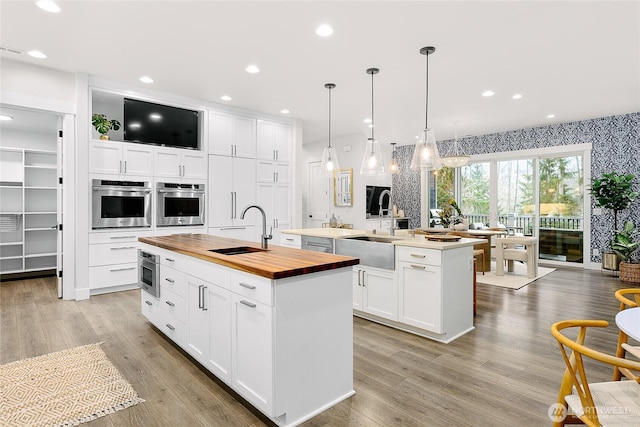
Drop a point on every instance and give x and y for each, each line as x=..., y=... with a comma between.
x=594, y=404
x=629, y=298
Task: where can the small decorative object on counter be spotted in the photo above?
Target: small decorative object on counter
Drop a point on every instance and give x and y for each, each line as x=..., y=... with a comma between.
x=104, y=125
x=333, y=222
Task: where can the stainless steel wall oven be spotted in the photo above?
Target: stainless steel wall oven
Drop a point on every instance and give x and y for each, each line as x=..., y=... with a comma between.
x=179, y=204
x=116, y=204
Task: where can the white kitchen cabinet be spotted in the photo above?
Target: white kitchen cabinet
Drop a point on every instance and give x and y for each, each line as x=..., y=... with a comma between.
x=274, y=141
x=182, y=164
x=120, y=158
x=375, y=291
x=232, y=135
x=231, y=188
x=252, y=349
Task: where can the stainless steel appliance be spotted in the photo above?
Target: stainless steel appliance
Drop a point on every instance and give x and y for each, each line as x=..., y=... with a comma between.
x=149, y=272
x=179, y=204
x=318, y=244
x=116, y=204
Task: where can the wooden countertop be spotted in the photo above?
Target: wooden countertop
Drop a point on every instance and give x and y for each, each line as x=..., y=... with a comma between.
x=276, y=262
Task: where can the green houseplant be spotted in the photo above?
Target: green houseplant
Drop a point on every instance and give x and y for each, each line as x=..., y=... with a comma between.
x=613, y=191
x=104, y=125
x=624, y=244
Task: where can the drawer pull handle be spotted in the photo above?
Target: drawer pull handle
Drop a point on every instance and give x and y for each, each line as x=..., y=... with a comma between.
x=170, y=259
x=421, y=267
x=248, y=304
x=170, y=304
x=417, y=255
x=123, y=247
x=148, y=302
x=170, y=327
x=169, y=280
x=122, y=269
x=246, y=285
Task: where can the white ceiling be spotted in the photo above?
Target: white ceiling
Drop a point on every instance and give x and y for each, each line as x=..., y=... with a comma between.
x=574, y=59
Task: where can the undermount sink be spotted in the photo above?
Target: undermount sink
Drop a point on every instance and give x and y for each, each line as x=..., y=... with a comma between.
x=239, y=250
x=377, y=239
x=374, y=251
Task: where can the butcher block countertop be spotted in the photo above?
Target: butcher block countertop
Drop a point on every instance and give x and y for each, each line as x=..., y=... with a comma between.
x=276, y=262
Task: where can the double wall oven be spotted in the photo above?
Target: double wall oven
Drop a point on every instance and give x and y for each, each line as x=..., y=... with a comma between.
x=118, y=204
x=179, y=204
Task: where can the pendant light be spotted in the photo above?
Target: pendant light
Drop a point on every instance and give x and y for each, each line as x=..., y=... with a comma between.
x=455, y=158
x=393, y=164
x=372, y=163
x=329, y=156
x=426, y=154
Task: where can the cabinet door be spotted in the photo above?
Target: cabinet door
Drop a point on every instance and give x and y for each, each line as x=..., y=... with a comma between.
x=219, y=308
x=167, y=163
x=138, y=160
x=105, y=157
x=421, y=296
x=282, y=142
x=197, y=319
x=194, y=165
x=357, y=288
x=221, y=198
x=265, y=140
x=244, y=136
x=220, y=134
x=244, y=186
x=251, y=347
x=380, y=294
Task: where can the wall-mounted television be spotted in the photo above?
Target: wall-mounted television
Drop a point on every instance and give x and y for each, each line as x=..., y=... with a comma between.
x=373, y=199
x=149, y=123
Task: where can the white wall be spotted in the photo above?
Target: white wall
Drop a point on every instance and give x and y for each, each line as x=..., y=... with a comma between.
x=350, y=150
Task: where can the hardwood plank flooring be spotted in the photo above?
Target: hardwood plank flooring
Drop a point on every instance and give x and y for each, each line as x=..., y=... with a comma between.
x=504, y=373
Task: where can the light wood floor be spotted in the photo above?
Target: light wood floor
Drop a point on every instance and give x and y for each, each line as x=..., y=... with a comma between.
x=505, y=373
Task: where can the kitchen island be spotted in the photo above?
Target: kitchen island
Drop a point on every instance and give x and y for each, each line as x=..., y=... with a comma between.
x=425, y=287
x=275, y=325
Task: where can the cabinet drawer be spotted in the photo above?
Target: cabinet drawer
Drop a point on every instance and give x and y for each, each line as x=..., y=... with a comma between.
x=113, y=275
x=254, y=287
x=113, y=253
x=419, y=255
x=173, y=281
x=173, y=304
x=293, y=240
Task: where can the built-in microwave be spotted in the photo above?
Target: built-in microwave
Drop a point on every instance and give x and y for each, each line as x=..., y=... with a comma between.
x=179, y=204
x=117, y=204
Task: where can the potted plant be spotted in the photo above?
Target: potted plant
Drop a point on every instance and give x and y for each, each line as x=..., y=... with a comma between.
x=613, y=191
x=624, y=246
x=104, y=125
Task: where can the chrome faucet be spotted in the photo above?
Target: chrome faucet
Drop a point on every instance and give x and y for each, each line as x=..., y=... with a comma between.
x=265, y=237
x=392, y=228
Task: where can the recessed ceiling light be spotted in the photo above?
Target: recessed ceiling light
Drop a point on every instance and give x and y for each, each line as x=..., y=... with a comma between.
x=367, y=120
x=488, y=93
x=550, y=116
x=285, y=111
x=146, y=79
x=225, y=98
x=252, y=69
x=37, y=54
x=5, y=118
x=517, y=96
x=48, y=5
x=324, y=30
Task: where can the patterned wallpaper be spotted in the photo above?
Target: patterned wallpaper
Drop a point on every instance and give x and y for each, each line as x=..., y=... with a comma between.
x=615, y=148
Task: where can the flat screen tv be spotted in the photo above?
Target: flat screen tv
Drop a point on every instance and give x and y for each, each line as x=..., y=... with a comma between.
x=373, y=199
x=149, y=123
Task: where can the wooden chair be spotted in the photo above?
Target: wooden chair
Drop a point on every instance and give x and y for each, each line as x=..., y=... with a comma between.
x=624, y=296
x=595, y=404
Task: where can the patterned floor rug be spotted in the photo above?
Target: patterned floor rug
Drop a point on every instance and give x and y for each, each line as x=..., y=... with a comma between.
x=65, y=388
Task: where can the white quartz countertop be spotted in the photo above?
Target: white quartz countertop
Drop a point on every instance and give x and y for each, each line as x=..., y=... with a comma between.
x=403, y=236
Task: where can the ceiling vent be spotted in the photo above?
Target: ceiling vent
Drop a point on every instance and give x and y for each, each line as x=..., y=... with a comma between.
x=10, y=50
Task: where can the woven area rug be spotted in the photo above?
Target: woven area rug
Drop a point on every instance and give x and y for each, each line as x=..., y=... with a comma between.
x=515, y=280
x=65, y=388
